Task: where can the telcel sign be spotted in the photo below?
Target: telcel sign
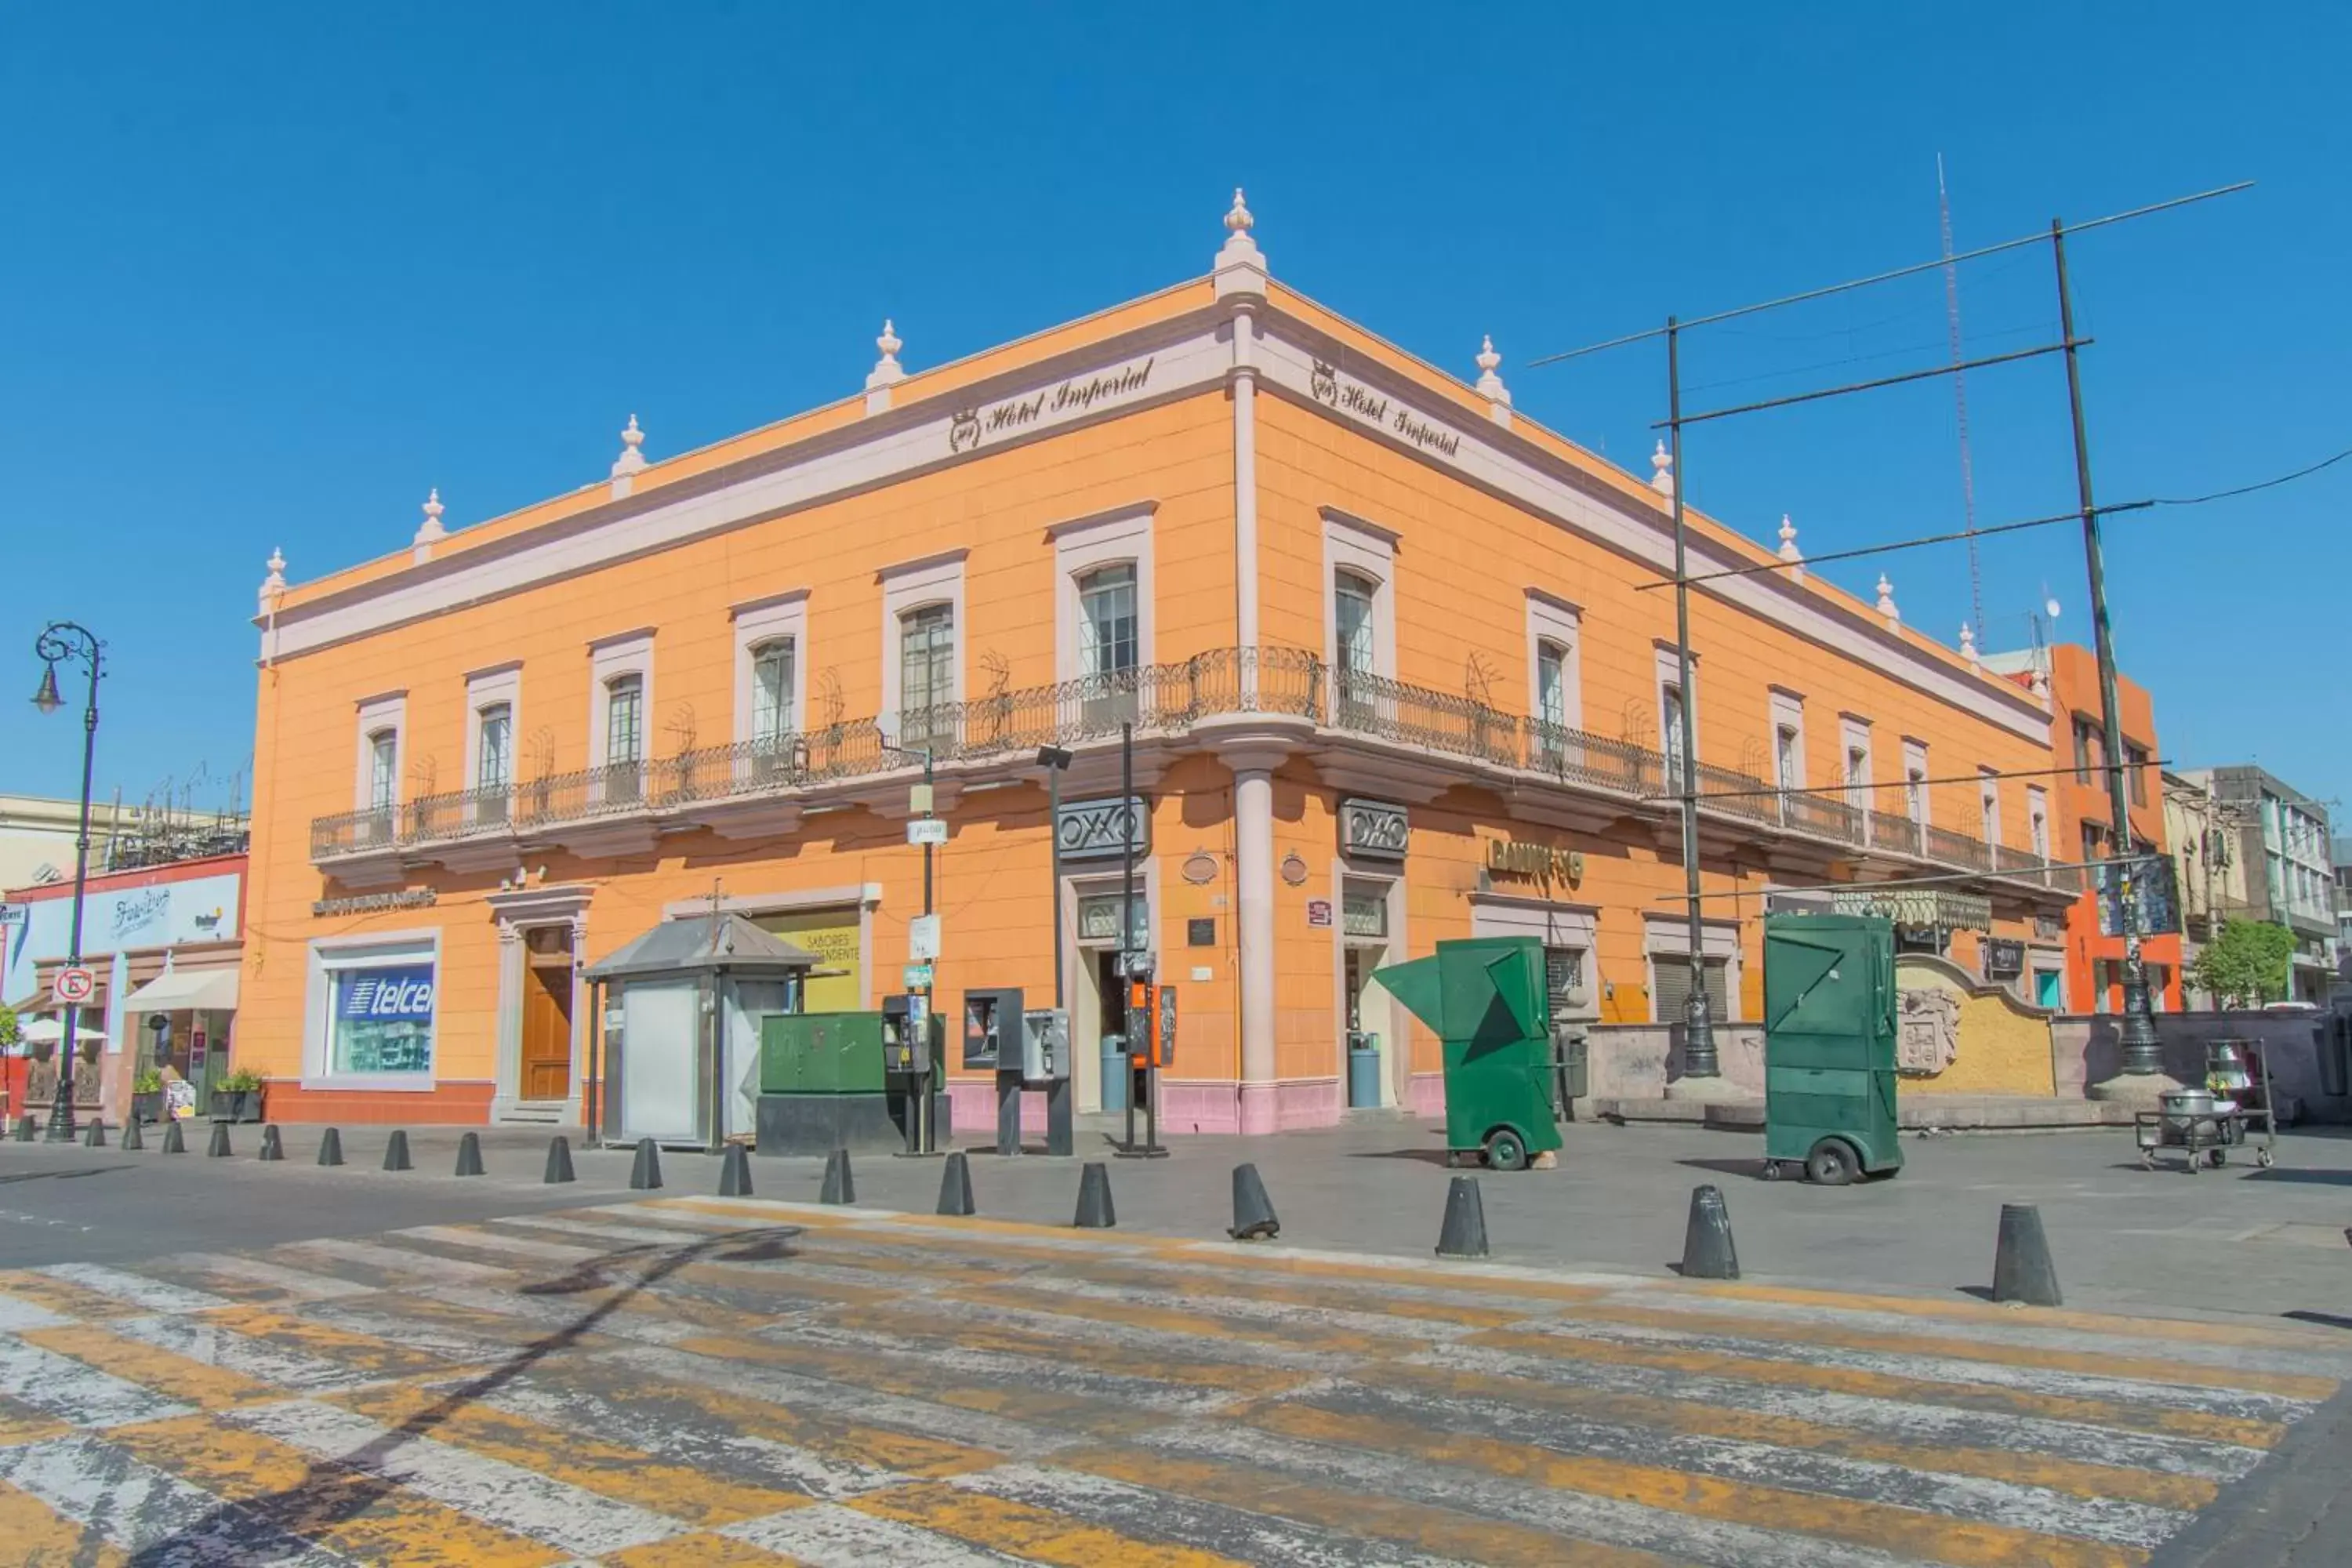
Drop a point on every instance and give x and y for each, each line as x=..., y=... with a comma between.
x=390, y=995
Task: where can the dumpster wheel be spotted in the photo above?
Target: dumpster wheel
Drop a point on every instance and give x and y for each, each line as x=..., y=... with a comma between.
x=1833, y=1163
x=1506, y=1151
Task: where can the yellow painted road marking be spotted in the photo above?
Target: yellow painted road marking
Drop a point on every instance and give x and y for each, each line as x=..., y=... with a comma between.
x=1416, y=1526
x=578, y=1459
x=2160, y=1419
x=63, y=1296
x=1022, y=1530
x=356, y=1351
x=1188, y=1363
x=163, y=1372
x=342, y=1510
x=1683, y=1418
x=1936, y=1538
x=2266, y=1336
x=1188, y=1284
x=702, y=1550
x=1179, y=1324
x=36, y=1538
x=2286, y=1385
x=23, y=1424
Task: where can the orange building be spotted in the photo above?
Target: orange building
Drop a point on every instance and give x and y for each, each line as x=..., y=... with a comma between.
x=2086, y=974
x=1383, y=641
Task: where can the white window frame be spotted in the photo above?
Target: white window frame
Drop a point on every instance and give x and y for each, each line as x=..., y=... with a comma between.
x=485, y=690
x=1669, y=664
x=1369, y=550
x=1989, y=802
x=1787, y=713
x=376, y=715
x=329, y=956
x=1918, y=807
x=1562, y=624
x=609, y=658
x=1853, y=736
x=1085, y=545
x=2037, y=821
x=912, y=585
x=781, y=618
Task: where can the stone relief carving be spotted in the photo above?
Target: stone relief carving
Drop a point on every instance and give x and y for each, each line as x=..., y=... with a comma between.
x=1928, y=1031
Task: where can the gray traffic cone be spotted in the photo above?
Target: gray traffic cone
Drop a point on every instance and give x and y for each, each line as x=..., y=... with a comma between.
x=839, y=1187
x=1707, y=1251
x=645, y=1174
x=735, y=1173
x=1464, y=1233
x=218, y=1148
x=272, y=1149
x=27, y=1129
x=131, y=1137
x=94, y=1136
x=330, y=1147
x=395, y=1151
x=470, y=1154
x=1253, y=1218
x=1094, y=1210
x=2022, y=1269
x=174, y=1140
x=559, y=1161
x=955, y=1186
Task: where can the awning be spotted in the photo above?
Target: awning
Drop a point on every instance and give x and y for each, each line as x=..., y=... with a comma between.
x=180, y=990
x=1941, y=907
x=49, y=1031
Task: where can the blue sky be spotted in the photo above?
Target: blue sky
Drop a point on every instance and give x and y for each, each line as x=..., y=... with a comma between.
x=269, y=273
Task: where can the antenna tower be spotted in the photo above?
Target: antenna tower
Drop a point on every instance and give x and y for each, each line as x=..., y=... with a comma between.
x=1960, y=397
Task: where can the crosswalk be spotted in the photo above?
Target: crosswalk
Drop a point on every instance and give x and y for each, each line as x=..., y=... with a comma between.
x=698, y=1381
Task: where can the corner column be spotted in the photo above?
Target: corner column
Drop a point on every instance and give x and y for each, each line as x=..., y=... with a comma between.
x=1254, y=874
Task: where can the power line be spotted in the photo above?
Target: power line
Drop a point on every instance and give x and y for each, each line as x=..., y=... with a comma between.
x=2038, y=869
x=1988, y=775
x=2248, y=489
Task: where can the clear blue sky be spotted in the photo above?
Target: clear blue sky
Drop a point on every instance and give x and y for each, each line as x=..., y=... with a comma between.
x=270, y=272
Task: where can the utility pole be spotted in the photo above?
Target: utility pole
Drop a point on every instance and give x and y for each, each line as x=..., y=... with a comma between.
x=2143, y=1059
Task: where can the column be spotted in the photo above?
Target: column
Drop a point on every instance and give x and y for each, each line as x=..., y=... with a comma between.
x=1245, y=569
x=1253, y=858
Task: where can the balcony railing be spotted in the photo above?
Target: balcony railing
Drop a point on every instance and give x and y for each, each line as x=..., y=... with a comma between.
x=1157, y=700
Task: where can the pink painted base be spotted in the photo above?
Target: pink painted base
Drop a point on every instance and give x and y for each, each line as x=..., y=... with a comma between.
x=1425, y=1095
x=972, y=1106
x=1186, y=1106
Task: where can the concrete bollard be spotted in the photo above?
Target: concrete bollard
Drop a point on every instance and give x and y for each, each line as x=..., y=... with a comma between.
x=470, y=1154
x=1254, y=1217
x=218, y=1148
x=2021, y=1268
x=1095, y=1209
x=1463, y=1234
x=955, y=1186
x=94, y=1135
x=395, y=1152
x=839, y=1187
x=559, y=1161
x=174, y=1140
x=644, y=1173
x=735, y=1173
x=271, y=1148
x=1708, y=1249
x=27, y=1129
x=131, y=1137
x=330, y=1147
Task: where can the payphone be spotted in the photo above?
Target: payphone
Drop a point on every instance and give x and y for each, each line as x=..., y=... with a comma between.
x=913, y=1052
x=990, y=1020
x=1150, y=1040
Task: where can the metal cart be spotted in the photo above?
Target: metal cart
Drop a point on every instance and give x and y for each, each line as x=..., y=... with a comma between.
x=2207, y=1124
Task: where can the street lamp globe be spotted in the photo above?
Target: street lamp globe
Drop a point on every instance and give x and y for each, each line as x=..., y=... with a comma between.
x=47, y=698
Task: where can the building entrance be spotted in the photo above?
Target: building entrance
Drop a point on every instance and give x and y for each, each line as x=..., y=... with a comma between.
x=547, y=1013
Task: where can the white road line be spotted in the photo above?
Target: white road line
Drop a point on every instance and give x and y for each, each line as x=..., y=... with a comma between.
x=1202, y=1296
x=296, y=1282
x=656, y=1236
x=250, y=1357
x=497, y=1241
x=831, y=1536
x=140, y=1510
x=404, y=1263
x=75, y=1391
x=490, y=1491
x=18, y=1314
x=149, y=1294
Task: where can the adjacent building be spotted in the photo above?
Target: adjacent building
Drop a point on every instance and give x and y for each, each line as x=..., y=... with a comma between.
x=1390, y=653
x=2260, y=853
x=2073, y=967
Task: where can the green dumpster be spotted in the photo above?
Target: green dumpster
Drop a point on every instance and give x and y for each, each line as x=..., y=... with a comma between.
x=1485, y=999
x=1829, y=1047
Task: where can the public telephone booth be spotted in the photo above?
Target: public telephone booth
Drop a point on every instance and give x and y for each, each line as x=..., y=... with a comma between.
x=677, y=1017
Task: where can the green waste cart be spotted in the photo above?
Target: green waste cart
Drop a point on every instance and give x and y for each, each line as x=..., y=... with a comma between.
x=1829, y=1047
x=1486, y=1000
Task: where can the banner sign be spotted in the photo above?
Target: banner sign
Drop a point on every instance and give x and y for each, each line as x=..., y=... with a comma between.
x=402, y=995
x=1939, y=907
x=2155, y=897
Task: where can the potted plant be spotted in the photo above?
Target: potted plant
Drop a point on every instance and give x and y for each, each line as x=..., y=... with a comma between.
x=238, y=1096
x=147, y=1094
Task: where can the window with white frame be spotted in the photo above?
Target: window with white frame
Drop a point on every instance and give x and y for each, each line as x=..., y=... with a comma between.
x=927, y=676
x=1108, y=642
x=494, y=748
x=1354, y=600
x=1673, y=731
x=1551, y=684
x=2037, y=820
x=376, y=789
x=1914, y=780
x=1556, y=702
x=1989, y=803
x=623, y=776
x=1853, y=736
x=494, y=707
x=1360, y=578
x=375, y=1012
x=772, y=672
x=384, y=770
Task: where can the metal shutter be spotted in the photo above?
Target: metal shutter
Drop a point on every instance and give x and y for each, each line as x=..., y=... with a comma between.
x=1672, y=993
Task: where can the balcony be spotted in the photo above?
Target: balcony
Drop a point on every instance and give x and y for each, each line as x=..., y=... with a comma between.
x=760, y=786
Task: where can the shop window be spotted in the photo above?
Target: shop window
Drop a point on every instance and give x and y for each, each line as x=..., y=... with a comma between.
x=1564, y=979
x=380, y=1009
x=1364, y=911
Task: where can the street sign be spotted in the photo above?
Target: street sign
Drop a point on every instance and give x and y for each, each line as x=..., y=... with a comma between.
x=917, y=977
x=923, y=938
x=76, y=984
x=928, y=830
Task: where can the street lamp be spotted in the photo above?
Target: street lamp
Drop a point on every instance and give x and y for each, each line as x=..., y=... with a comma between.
x=1055, y=761
x=920, y=1135
x=58, y=642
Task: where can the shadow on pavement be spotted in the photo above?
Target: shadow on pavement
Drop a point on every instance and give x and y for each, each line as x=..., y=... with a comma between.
x=2313, y=1178
x=1753, y=1168
x=1426, y=1156
x=333, y=1490
x=2324, y=1320
x=65, y=1175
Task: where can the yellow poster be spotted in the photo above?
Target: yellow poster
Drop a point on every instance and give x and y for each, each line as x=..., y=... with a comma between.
x=839, y=982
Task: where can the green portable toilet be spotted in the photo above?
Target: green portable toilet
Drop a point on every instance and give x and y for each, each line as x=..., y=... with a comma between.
x=1829, y=1045
x=1485, y=999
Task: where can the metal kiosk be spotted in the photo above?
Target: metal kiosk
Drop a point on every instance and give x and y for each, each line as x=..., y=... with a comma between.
x=1486, y=999
x=1829, y=1047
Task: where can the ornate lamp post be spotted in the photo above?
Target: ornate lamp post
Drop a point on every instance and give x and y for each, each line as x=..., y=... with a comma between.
x=61, y=641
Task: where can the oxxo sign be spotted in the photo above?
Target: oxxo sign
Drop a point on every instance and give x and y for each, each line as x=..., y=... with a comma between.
x=1515, y=858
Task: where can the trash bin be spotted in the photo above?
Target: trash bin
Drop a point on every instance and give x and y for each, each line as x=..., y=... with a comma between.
x=1829, y=1045
x=1486, y=999
x=1115, y=1072
x=1363, y=1069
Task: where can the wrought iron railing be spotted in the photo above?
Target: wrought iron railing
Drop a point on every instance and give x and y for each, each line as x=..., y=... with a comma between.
x=1573, y=756
x=1825, y=816
x=1958, y=849
x=1366, y=704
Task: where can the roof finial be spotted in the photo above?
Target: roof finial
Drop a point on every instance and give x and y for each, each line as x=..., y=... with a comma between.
x=1968, y=643
x=275, y=583
x=1240, y=269
x=887, y=369
x=1788, y=550
x=1490, y=385
x=1661, y=464
x=1238, y=220
x=631, y=460
x=1886, y=599
x=430, y=531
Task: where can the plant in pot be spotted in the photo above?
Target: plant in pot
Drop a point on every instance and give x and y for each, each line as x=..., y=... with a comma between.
x=237, y=1097
x=147, y=1094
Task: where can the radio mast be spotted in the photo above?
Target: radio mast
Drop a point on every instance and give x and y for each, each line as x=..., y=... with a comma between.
x=1960, y=398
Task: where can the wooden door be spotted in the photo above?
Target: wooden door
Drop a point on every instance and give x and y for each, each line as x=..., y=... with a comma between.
x=547, y=1016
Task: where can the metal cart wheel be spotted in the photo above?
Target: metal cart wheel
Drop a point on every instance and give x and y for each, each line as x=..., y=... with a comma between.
x=1831, y=1164
x=2147, y=1159
x=1506, y=1151
x=2221, y=1158
x=1771, y=1172
x=2262, y=1158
